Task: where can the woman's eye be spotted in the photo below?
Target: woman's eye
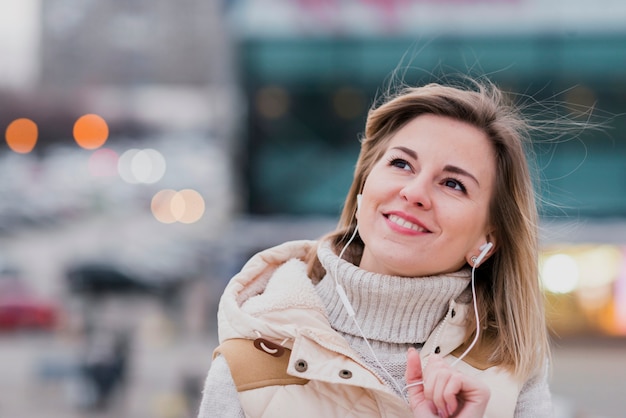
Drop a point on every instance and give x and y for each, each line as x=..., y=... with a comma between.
x=400, y=163
x=455, y=184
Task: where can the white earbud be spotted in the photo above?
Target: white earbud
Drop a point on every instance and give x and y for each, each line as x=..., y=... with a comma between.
x=484, y=250
x=359, y=198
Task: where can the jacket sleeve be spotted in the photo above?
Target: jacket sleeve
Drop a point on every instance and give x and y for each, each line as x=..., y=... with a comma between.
x=535, y=400
x=219, y=397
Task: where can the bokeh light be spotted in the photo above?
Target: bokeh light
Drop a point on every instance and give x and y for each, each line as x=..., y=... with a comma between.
x=103, y=163
x=349, y=102
x=272, y=102
x=141, y=166
x=186, y=206
x=193, y=208
x=91, y=131
x=21, y=135
x=560, y=274
x=161, y=206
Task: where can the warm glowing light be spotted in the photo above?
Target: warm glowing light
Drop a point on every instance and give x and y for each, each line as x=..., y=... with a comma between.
x=620, y=296
x=560, y=274
x=141, y=166
x=194, y=206
x=599, y=266
x=349, y=102
x=103, y=163
x=272, y=102
x=21, y=135
x=161, y=206
x=91, y=131
x=186, y=206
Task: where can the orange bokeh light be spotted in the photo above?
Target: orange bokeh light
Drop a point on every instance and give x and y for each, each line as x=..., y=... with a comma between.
x=21, y=135
x=91, y=131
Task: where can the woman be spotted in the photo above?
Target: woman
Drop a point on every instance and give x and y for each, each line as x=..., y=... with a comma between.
x=424, y=302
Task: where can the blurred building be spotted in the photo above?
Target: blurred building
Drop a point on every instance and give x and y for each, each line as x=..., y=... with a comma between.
x=87, y=43
x=141, y=64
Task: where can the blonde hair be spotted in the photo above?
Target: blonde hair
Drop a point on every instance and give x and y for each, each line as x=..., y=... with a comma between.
x=510, y=300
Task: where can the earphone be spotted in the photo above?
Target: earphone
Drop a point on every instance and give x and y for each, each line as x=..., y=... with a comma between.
x=485, y=249
x=359, y=198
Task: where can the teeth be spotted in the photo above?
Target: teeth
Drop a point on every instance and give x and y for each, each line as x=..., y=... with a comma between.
x=404, y=223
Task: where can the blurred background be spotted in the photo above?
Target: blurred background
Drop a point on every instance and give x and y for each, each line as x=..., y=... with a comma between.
x=150, y=147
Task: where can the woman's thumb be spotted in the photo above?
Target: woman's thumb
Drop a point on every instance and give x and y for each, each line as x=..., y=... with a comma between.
x=413, y=375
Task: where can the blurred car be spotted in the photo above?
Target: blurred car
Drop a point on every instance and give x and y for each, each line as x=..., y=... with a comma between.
x=103, y=278
x=21, y=308
x=99, y=278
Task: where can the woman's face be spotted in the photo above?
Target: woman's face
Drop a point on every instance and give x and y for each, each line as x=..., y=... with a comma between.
x=425, y=204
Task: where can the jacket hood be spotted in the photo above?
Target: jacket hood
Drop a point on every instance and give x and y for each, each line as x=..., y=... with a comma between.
x=251, y=301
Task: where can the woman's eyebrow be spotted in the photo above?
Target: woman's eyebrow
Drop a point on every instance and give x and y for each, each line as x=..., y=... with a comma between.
x=458, y=170
x=406, y=150
x=449, y=168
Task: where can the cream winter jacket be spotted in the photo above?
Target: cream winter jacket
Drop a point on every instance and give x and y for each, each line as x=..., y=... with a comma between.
x=286, y=360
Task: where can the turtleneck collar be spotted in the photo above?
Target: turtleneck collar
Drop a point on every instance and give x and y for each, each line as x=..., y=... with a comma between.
x=388, y=308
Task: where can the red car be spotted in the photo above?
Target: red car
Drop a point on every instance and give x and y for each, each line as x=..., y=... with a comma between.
x=21, y=308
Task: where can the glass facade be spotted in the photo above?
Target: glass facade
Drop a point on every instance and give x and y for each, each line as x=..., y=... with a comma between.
x=309, y=98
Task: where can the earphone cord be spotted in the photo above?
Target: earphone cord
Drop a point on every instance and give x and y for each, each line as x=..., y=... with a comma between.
x=467, y=350
x=351, y=313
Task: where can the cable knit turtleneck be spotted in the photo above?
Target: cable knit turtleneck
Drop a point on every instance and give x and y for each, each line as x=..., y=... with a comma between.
x=393, y=312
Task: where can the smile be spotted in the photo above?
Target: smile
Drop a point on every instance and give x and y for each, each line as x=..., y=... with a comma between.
x=405, y=224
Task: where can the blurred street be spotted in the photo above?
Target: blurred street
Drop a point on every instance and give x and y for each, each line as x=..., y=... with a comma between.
x=589, y=378
x=170, y=338
x=38, y=379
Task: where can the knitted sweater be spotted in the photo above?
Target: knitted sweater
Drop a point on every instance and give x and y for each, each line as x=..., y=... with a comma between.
x=393, y=313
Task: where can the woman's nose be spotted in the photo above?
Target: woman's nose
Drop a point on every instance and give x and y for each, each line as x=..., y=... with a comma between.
x=417, y=192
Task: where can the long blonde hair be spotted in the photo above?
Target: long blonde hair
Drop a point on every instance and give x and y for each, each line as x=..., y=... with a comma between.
x=510, y=300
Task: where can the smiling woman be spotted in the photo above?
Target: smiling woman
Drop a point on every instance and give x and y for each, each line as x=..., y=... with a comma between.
x=425, y=300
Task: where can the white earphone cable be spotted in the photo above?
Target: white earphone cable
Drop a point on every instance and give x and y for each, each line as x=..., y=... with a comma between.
x=351, y=313
x=346, y=302
x=467, y=350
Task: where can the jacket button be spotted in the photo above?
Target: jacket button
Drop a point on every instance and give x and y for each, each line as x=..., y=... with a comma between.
x=437, y=350
x=345, y=374
x=301, y=366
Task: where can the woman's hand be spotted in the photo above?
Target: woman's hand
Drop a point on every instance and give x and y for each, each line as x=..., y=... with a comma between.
x=445, y=392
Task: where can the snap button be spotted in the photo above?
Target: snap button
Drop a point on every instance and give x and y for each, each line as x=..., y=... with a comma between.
x=345, y=374
x=437, y=350
x=301, y=366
